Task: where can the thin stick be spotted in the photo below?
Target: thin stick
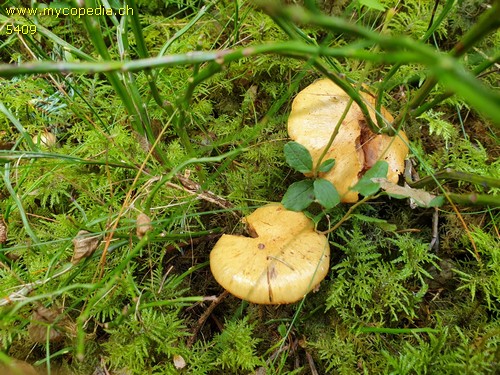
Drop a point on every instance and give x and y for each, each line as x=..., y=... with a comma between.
x=450, y=174
x=26, y=289
x=347, y=216
x=311, y=364
x=435, y=230
x=203, y=318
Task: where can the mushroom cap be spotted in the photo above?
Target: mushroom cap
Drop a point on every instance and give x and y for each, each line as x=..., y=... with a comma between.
x=316, y=111
x=286, y=259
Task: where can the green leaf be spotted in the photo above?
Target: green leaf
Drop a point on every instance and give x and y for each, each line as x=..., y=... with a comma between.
x=326, y=165
x=325, y=193
x=372, y=4
x=365, y=185
x=437, y=201
x=282, y=330
x=298, y=157
x=299, y=195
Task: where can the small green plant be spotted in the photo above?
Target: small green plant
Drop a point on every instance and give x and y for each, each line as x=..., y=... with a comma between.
x=301, y=194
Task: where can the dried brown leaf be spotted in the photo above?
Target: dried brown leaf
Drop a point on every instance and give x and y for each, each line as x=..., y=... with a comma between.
x=84, y=245
x=41, y=319
x=179, y=362
x=420, y=197
x=143, y=225
x=3, y=231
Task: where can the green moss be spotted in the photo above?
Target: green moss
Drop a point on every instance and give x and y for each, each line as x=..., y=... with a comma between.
x=147, y=340
x=235, y=347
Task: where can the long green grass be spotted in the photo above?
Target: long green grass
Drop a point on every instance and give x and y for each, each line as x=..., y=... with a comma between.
x=178, y=111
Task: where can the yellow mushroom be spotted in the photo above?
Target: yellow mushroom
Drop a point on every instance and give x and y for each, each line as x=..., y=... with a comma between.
x=316, y=111
x=285, y=259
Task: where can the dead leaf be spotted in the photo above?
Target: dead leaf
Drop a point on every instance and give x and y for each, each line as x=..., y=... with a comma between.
x=3, y=231
x=420, y=197
x=41, y=319
x=179, y=362
x=84, y=245
x=143, y=225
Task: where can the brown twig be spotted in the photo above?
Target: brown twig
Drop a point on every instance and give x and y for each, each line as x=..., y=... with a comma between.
x=203, y=318
x=193, y=241
x=23, y=290
x=193, y=188
x=435, y=230
x=311, y=364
